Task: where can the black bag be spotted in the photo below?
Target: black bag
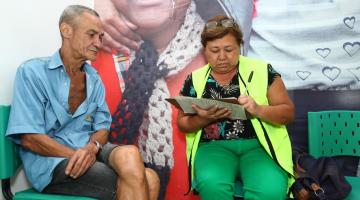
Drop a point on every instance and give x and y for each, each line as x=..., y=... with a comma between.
x=318, y=178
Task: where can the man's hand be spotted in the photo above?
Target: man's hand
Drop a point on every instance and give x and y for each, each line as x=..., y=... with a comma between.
x=81, y=161
x=212, y=114
x=120, y=33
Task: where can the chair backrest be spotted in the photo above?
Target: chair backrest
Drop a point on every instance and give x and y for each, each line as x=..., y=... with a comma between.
x=334, y=132
x=9, y=160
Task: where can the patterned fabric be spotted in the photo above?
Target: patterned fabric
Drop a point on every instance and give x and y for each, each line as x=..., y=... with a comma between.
x=155, y=133
x=140, y=82
x=150, y=126
x=224, y=129
x=322, y=51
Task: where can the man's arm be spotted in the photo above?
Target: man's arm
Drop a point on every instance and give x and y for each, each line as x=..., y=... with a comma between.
x=85, y=157
x=44, y=145
x=100, y=136
x=79, y=160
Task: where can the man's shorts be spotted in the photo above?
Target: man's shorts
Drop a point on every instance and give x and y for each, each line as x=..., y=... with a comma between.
x=100, y=181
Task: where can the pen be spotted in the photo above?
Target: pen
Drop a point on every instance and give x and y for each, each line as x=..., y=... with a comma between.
x=249, y=80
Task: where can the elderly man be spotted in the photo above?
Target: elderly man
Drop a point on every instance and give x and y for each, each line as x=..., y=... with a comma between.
x=60, y=119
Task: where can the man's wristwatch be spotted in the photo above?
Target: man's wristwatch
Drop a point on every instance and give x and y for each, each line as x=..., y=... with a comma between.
x=98, y=146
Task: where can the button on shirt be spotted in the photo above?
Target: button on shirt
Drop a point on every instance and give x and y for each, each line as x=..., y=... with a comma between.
x=40, y=105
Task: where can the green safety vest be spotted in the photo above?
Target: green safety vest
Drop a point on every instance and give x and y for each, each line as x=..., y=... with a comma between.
x=274, y=138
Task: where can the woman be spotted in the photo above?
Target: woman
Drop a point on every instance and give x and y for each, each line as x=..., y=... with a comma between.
x=220, y=150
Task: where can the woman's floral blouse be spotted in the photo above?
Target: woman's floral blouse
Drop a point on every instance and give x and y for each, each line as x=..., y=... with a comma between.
x=225, y=129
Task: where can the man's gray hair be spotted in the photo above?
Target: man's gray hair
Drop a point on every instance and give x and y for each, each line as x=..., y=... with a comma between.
x=73, y=11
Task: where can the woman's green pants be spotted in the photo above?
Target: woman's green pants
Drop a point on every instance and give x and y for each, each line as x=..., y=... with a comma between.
x=219, y=163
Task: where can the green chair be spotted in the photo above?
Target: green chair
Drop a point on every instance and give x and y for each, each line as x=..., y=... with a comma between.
x=336, y=133
x=10, y=163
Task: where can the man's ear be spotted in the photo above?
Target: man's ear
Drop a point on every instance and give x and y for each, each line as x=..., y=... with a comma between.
x=66, y=30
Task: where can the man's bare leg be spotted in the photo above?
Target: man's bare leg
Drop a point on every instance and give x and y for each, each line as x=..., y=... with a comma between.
x=128, y=164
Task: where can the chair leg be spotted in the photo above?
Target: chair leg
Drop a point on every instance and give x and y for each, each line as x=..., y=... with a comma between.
x=6, y=189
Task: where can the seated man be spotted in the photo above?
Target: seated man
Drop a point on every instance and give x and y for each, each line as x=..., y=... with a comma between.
x=60, y=119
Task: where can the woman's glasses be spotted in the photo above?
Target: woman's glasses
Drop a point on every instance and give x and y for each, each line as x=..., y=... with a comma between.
x=226, y=23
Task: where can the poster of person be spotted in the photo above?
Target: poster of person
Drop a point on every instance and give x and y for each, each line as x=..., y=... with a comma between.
x=151, y=45
x=155, y=44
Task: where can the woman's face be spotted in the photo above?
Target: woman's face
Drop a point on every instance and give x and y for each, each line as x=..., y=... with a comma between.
x=222, y=54
x=151, y=16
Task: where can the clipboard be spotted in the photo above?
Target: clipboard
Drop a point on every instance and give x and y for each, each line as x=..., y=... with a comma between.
x=185, y=104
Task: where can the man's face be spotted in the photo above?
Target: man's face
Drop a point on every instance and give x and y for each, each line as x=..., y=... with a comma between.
x=87, y=37
x=222, y=54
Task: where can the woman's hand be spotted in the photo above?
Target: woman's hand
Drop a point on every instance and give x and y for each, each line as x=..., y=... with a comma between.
x=249, y=104
x=280, y=109
x=191, y=123
x=120, y=33
x=212, y=114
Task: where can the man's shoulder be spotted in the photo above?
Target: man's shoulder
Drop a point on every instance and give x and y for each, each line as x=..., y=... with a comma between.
x=35, y=63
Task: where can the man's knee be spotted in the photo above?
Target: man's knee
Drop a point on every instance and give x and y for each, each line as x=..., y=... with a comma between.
x=127, y=161
x=127, y=154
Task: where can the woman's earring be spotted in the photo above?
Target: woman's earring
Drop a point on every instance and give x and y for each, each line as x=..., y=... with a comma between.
x=172, y=16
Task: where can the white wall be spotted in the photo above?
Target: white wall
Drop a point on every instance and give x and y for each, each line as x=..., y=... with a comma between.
x=28, y=29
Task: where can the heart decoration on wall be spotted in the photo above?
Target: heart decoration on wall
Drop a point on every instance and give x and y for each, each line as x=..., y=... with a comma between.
x=331, y=72
x=303, y=74
x=351, y=48
x=349, y=22
x=323, y=52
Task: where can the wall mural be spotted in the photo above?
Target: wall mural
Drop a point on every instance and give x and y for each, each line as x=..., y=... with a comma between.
x=150, y=46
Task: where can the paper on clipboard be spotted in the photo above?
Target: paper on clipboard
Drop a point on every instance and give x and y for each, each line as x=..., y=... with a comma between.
x=184, y=103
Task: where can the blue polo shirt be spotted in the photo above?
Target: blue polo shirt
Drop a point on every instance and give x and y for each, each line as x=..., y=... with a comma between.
x=40, y=105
